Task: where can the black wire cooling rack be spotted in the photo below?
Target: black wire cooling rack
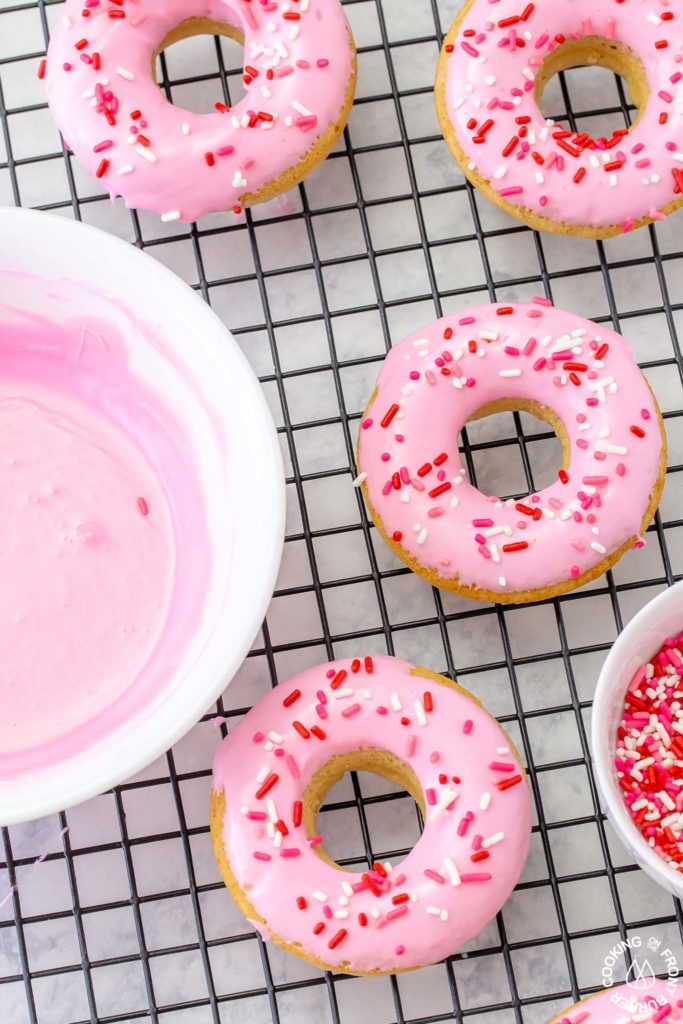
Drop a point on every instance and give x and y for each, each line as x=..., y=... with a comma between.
x=390, y=208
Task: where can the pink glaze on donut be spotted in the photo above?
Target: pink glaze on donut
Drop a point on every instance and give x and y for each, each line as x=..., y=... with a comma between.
x=460, y=871
x=433, y=382
x=538, y=164
x=298, y=66
x=656, y=999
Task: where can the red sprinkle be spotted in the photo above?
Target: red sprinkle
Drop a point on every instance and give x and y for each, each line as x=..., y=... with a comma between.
x=389, y=416
x=267, y=786
x=336, y=939
x=507, y=783
x=291, y=698
x=338, y=679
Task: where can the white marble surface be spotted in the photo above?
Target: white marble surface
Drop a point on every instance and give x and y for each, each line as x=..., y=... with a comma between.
x=164, y=896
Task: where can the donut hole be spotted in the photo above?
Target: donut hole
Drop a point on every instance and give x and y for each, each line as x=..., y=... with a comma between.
x=512, y=450
x=591, y=64
x=195, y=60
x=391, y=816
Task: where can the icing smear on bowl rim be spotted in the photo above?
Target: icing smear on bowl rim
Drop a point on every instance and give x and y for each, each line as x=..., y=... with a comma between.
x=179, y=352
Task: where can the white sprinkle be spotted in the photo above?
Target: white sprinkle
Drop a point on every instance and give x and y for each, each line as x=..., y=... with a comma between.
x=444, y=915
x=488, y=335
x=422, y=536
x=170, y=216
x=348, y=888
x=420, y=713
x=275, y=737
x=186, y=128
x=341, y=914
x=360, y=479
x=510, y=373
x=126, y=169
x=495, y=554
x=666, y=800
x=502, y=581
x=598, y=547
x=451, y=871
x=395, y=702
x=147, y=153
x=66, y=21
x=492, y=840
x=617, y=449
x=277, y=840
x=128, y=75
x=320, y=896
x=484, y=801
x=447, y=797
x=301, y=109
x=500, y=173
x=263, y=774
x=435, y=911
x=272, y=811
x=343, y=901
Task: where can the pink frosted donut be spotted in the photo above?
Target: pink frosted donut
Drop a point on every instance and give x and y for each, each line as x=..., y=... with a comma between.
x=300, y=72
x=580, y=378
x=495, y=63
x=419, y=729
x=648, y=1001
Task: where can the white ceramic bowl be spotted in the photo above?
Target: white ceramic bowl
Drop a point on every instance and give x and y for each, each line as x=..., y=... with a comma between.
x=639, y=641
x=243, y=491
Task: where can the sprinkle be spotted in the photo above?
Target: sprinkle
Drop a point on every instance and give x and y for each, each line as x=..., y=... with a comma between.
x=492, y=840
x=336, y=939
x=508, y=783
x=451, y=871
x=271, y=781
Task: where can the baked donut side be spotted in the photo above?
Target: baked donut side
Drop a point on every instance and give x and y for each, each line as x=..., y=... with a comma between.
x=553, y=179
x=387, y=919
x=299, y=74
x=533, y=359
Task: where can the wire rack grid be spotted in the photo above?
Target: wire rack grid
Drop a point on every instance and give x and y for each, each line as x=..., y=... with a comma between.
x=114, y=911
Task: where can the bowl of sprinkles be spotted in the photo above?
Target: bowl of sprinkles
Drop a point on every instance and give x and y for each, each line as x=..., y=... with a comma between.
x=637, y=738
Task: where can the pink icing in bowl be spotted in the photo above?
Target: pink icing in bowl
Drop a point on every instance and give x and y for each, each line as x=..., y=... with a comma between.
x=141, y=511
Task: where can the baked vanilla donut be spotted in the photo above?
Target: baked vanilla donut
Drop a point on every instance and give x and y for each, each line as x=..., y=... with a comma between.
x=581, y=379
x=495, y=63
x=413, y=727
x=300, y=74
x=653, y=1000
